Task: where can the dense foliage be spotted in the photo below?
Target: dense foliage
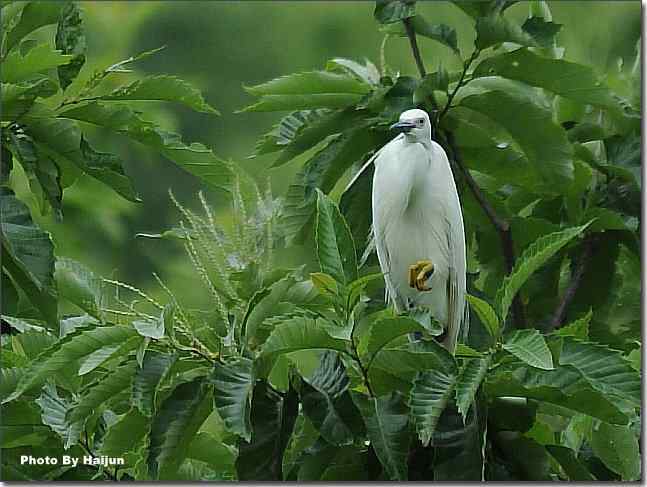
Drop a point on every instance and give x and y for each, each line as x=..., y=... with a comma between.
x=298, y=373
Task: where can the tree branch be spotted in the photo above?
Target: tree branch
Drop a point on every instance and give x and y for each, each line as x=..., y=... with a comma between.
x=460, y=84
x=576, y=279
x=502, y=226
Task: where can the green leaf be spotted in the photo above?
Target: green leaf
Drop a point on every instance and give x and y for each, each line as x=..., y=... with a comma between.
x=387, y=425
x=486, y=314
x=309, y=83
x=327, y=403
x=385, y=330
x=150, y=328
x=163, y=87
x=70, y=38
x=389, y=11
x=207, y=448
x=95, y=394
x=565, y=78
x=79, y=285
x=542, y=31
x=263, y=305
x=104, y=354
x=494, y=29
x=618, y=448
x=525, y=113
x=75, y=345
x=564, y=386
x=233, y=386
x=468, y=382
x=175, y=425
x=125, y=434
x=17, y=100
x=567, y=459
x=148, y=378
x=335, y=246
x=54, y=413
x=17, y=67
x=291, y=128
x=273, y=416
x=439, y=32
x=530, y=347
x=298, y=334
x=606, y=369
x=355, y=204
x=194, y=158
x=27, y=254
x=306, y=91
x=431, y=393
x=34, y=15
x=366, y=72
x=577, y=329
x=532, y=258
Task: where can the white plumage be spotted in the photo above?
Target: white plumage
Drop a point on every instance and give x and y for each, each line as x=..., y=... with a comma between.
x=417, y=217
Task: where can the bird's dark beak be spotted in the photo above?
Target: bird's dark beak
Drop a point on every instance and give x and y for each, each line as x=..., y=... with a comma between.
x=403, y=126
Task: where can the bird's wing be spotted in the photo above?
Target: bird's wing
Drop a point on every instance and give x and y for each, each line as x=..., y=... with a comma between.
x=457, y=309
x=369, y=162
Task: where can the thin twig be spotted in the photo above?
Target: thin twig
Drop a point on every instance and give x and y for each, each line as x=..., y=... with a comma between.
x=460, y=84
x=576, y=279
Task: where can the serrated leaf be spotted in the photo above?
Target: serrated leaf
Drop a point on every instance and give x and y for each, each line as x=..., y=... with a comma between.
x=233, y=386
x=335, y=246
x=431, y=393
x=79, y=285
x=194, y=158
x=70, y=38
x=148, y=378
x=366, y=72
x=486, y=314
x=530, y=347
x=606, y=369
x=564, y=386
x=33, y=16
x=327, y=403
x=273, y=416
x=75, y=345
x=177, y=421
x=494, y=29
x=150, y=328
x=524, y=112
x=54, y=411
x=387, y=424
x=532, y=258
x=17, y=67
x=97, y=393
x=618, y=448
x=298, y=334
x=384, y=331
x=570, y=80
x=542, y=31
x=125, y=434
x=578, y=328
x=163, y=87
x=569, y=462
x=27, y=254
x=468, y=382
x=104, y=354
x=389, y=11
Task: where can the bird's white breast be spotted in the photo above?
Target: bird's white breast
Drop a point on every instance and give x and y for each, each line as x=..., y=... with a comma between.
x=410, y=191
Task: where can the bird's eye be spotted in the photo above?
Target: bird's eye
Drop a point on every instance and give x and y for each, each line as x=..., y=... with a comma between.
x=421, y=121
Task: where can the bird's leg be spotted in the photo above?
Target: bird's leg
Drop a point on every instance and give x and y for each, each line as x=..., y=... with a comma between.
x=419, y=274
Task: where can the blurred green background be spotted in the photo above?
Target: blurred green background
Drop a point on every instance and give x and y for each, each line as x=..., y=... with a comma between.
x=221, y=46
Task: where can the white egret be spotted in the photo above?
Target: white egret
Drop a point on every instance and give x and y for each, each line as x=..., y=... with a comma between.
x=418, y=226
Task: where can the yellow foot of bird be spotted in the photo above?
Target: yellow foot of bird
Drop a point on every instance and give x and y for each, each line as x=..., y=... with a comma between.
x=419, y=274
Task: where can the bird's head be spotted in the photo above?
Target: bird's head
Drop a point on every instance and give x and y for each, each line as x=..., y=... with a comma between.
x=415, y=125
